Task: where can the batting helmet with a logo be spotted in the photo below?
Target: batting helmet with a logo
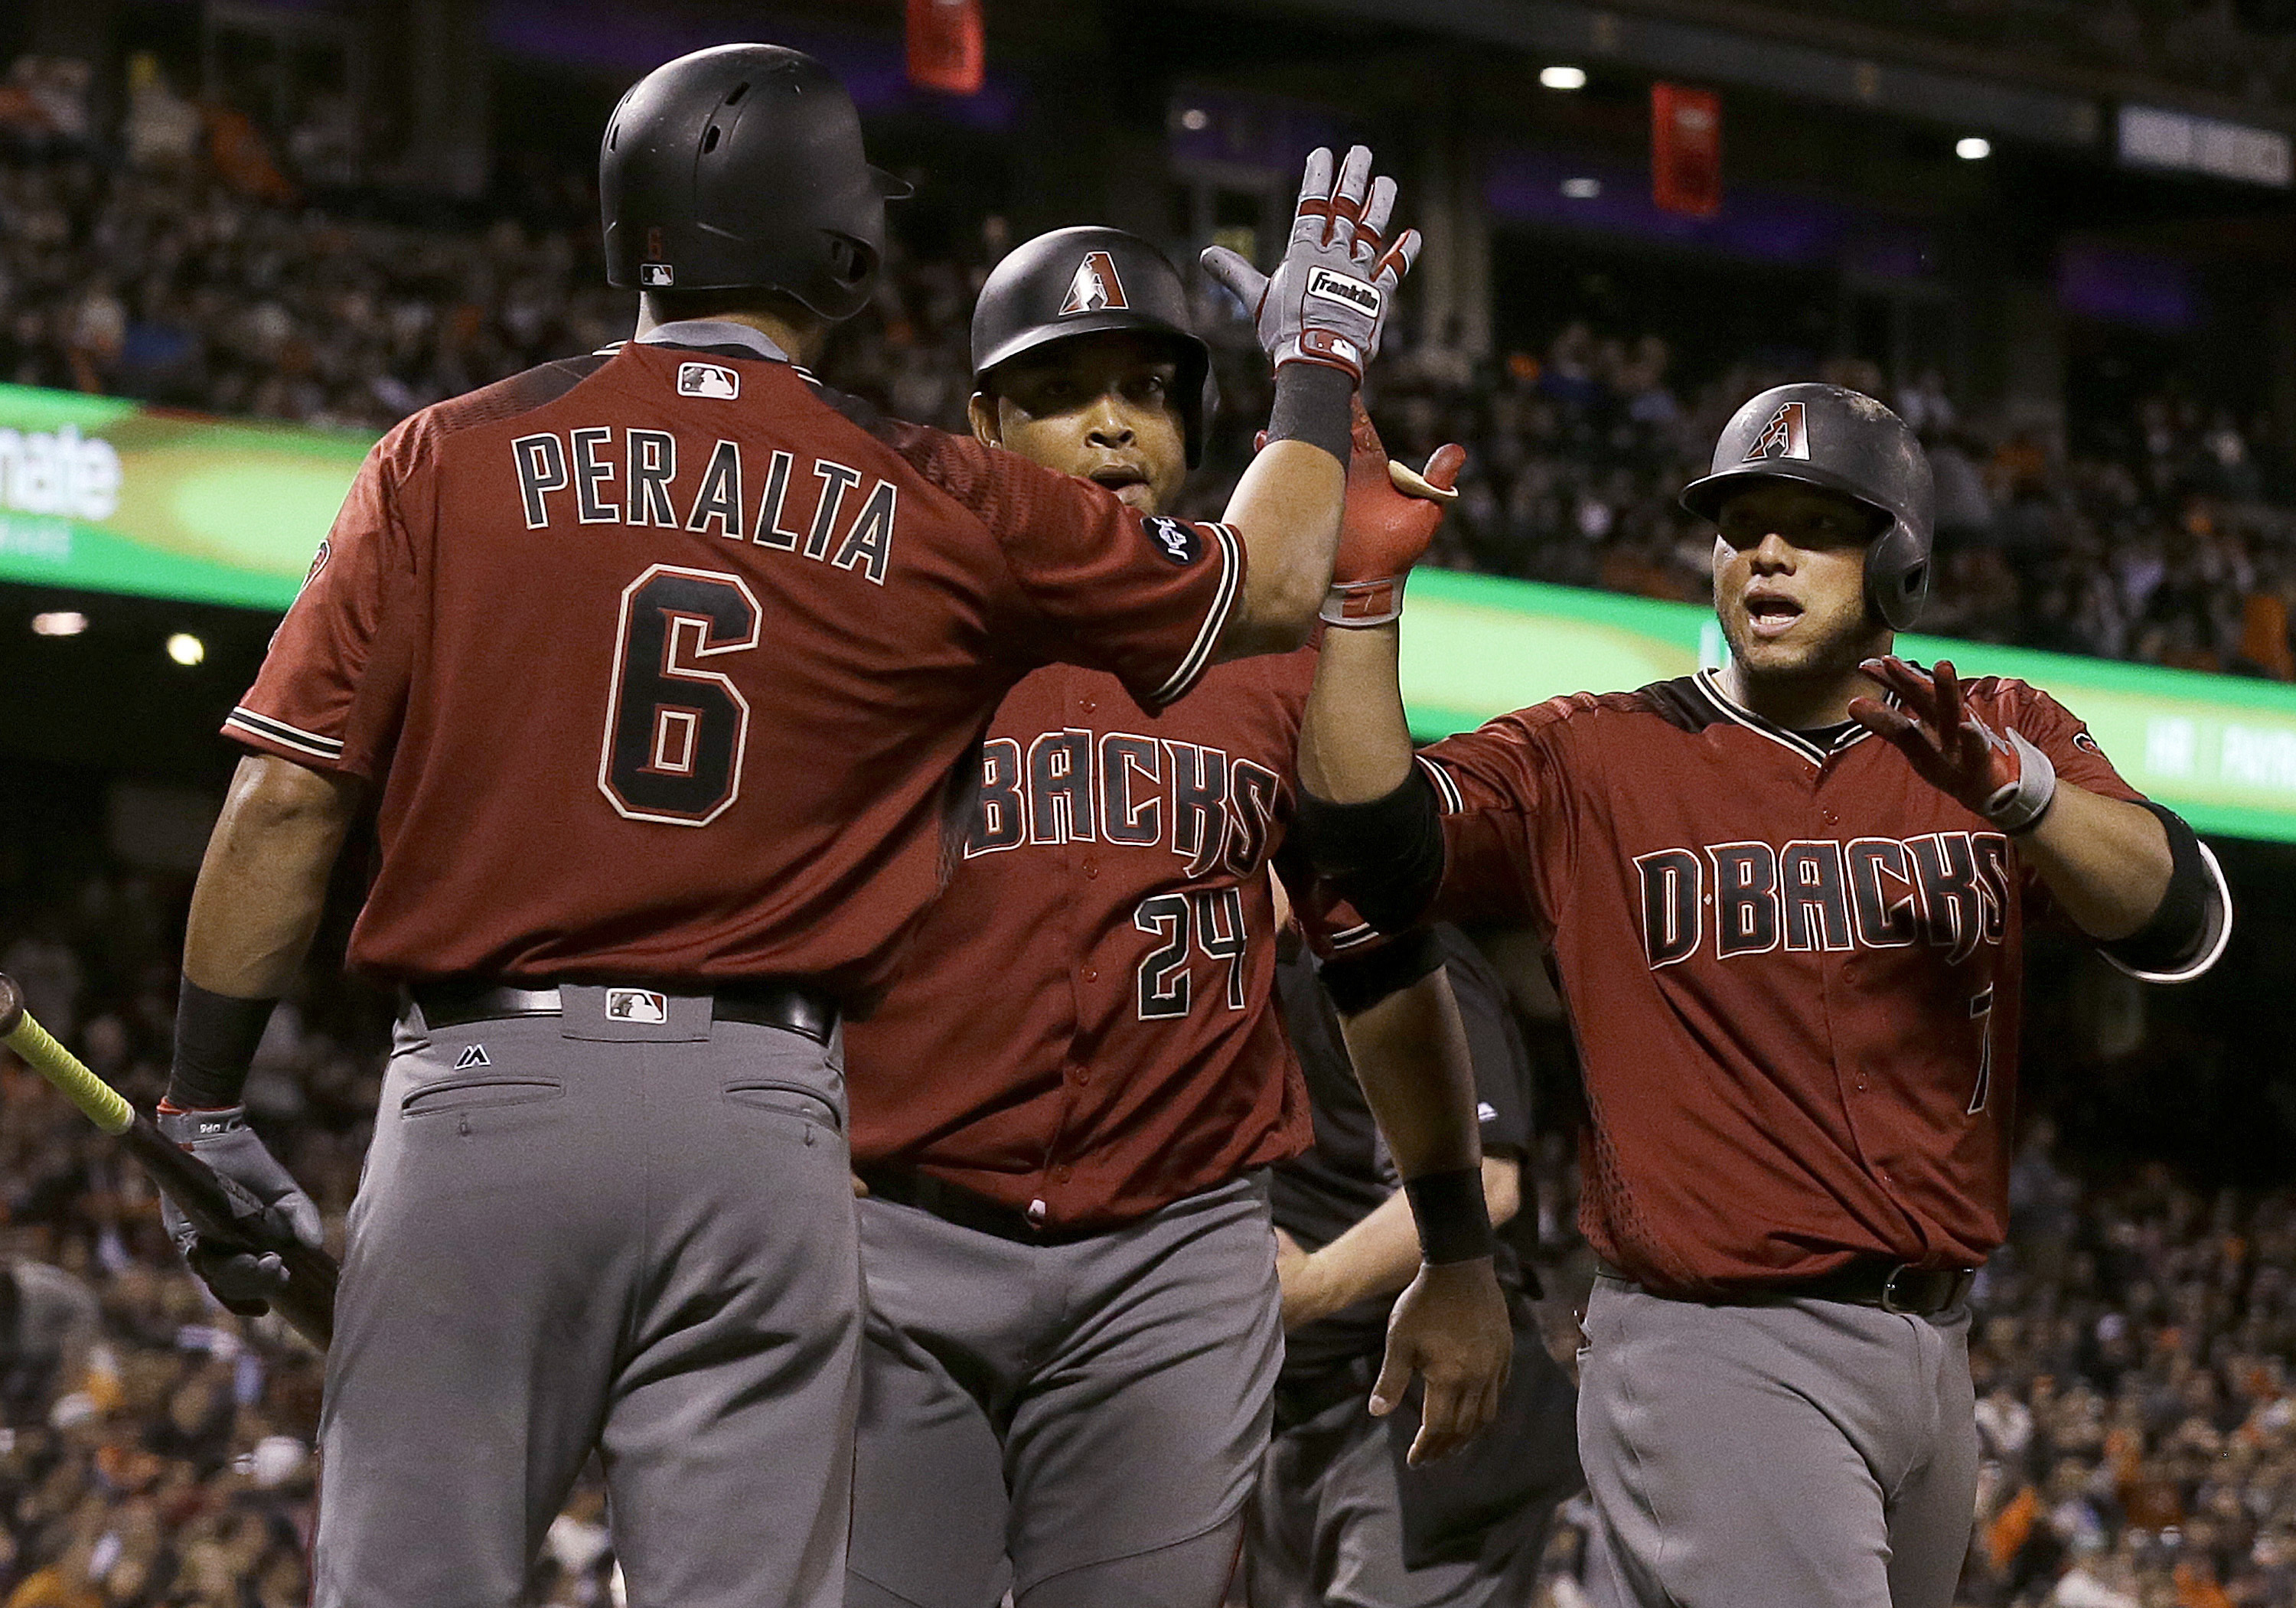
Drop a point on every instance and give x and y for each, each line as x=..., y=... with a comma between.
x=1090, y=282
x=1844, y=441
x=740, y=167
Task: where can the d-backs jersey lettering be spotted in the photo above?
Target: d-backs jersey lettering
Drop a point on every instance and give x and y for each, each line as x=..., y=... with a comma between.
x=1083, y=1027
x=1793, y=971
x=667, y=663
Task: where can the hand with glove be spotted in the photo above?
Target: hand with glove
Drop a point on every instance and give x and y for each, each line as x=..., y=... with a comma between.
x=1328, y=300
x=1997, y=774
x=245, y=1276
x=1391, y=516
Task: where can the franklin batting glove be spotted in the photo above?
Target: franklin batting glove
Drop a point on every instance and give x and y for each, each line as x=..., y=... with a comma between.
x=1327, y=300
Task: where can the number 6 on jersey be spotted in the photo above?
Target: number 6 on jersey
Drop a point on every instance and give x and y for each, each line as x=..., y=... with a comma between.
x=675, y=732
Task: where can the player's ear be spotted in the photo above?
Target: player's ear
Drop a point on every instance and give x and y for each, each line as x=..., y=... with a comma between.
x=981, y=410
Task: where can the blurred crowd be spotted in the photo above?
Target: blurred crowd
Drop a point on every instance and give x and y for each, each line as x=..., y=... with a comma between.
x=172, y=272
x=156, y=1452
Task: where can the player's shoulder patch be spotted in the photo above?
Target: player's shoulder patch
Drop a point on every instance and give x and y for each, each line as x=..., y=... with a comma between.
x=1180, y=542
x=2087, y=743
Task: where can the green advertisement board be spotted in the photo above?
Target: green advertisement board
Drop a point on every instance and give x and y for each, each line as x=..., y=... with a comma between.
x=110, y=495
x=115, y=497
x=2219, y=749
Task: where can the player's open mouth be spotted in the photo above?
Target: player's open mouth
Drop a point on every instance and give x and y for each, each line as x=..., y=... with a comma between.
x=1771, y=616
x=1129, y=484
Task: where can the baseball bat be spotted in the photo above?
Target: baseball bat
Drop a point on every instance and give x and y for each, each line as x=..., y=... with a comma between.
x=217, y=1207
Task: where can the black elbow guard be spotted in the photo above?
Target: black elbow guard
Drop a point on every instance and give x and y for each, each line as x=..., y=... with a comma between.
x=2187, y=932
x=1357, y=982
x=1384, y=858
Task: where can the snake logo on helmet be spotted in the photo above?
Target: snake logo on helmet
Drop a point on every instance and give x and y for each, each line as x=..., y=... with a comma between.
x=1089, y=281
x=738, y=168
x=1843, y=441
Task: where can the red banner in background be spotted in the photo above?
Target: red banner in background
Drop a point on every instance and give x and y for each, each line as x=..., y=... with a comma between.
x=946, y=49
x=1685, y=150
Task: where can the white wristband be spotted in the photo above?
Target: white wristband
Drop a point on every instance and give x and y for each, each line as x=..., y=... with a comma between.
x=2019, y=806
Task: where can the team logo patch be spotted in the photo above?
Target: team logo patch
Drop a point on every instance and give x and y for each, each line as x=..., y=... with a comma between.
x=707, y=380
x=472, y=1055
x=637, y=1004
x=1094, y=287
x=2083, y=740
x=1785, y=436
x=656, y=276
x=1176, y=540
x=1364, y=299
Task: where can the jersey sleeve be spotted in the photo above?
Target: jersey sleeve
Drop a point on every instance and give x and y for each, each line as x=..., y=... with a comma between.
x=1142, y=597
x=2060, y=733
x=1502, y=1065
x=1509, y=820
x=319, y=699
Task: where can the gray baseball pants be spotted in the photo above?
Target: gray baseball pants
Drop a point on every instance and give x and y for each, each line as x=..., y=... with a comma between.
x=1082, y=1421
x=576, y=1234
x=1805, y=1452
x=1326, y=1529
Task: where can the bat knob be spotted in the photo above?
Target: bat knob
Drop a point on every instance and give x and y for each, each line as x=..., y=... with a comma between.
x=11, y=1004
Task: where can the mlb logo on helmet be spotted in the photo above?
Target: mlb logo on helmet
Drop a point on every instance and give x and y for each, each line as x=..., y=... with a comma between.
x=1785, y=436
x=637, y=1004
x=707, y=380
x=1094, y=287
x=656, y=276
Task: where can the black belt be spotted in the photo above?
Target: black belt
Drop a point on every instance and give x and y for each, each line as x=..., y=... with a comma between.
x=456, y=1001
x=1864, y=1281
x=954, y=1203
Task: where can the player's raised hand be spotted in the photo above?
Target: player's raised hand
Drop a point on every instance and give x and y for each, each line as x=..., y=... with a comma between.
x=1997, y=775
x=1327, y=300
x=1391, y=516
x=1450, y=1327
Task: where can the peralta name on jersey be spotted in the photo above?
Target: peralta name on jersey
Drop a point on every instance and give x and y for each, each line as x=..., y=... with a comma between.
x=589, y=476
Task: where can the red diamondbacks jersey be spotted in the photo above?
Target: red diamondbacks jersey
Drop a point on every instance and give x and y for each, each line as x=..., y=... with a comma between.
x=1084, y=1026
x=1794, y=973
x=667, y=668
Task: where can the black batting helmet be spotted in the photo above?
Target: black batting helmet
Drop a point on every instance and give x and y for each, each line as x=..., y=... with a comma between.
x=741, y=167
x=1089, y=282
x=1845, y=441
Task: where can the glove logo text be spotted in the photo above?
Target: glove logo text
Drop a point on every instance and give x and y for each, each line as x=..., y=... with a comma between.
x=1364, y=299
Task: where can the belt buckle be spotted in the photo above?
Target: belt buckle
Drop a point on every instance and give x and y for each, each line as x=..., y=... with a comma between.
x=1889, y=1292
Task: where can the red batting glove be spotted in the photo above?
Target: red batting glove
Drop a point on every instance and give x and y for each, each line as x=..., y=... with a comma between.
x=1392, y=514
x=1997, y=774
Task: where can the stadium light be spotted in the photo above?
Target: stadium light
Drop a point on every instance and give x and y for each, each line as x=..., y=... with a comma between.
x=1974, y=148
x=59, y=622
x=1562, y=77
x=1582, y=189
x=1195, y=119
x=186, y=649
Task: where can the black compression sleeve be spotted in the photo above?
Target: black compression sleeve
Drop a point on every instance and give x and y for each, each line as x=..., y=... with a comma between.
x=1357, y=982
x=1313, y=404
x=1385, y=857
x=216, y=1037
x=2190, y=913
x=1454, y=1219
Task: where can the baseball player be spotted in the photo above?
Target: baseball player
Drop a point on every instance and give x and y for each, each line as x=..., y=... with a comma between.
x=1786, y=901
x=1073, y=1312
x=661, y=672
x=1339, y=1518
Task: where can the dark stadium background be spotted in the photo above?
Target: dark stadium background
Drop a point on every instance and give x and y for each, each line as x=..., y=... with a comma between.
x=2108, y=344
